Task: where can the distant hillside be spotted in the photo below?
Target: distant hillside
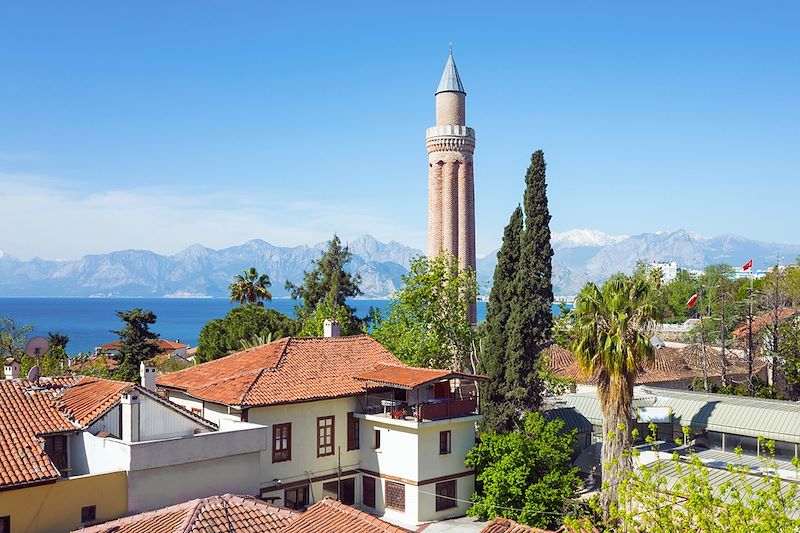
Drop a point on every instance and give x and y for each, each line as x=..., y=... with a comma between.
x=580, y=256
x=197, y=270
x=590, y=255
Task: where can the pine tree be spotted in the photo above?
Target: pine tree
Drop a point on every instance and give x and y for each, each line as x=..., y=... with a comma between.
x=137, y=342
x=327, y=282
x=498, y=310
x=529, y=300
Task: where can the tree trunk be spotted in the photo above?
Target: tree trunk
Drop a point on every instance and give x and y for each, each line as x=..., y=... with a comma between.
x=616, y=443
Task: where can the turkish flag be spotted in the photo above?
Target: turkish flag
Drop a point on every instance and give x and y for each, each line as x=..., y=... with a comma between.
x=748, y=265
x=692, y=300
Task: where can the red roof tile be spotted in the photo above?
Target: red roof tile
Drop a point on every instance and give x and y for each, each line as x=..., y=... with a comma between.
x=394, y=375
x=90, y=397
x=163, y=344
x=506, y=525
x=215, y=514
x=332, y=516
x=764, y=320
x=25, y=414
x=284, y=371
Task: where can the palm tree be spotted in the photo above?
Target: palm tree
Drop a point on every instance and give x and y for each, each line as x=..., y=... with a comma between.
x=250, y=287
x=612, y=341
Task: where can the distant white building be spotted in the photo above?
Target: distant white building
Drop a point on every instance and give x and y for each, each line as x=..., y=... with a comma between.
x=668, y=268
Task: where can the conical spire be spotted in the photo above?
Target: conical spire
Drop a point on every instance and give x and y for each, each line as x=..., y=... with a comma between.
x=451, y=81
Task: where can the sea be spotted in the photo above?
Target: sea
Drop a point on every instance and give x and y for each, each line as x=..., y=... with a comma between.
x=89, y=321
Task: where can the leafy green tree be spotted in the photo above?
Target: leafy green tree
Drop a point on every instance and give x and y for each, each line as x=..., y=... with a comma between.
x=526, y=474
x=789, y=355
x=314, y=324
x=530, y=319
x=13, y=338
x=612, y=342
x=495, y=334
x=222, y=336
x=428, y=323
x=54, y=338
x=250, y=287
x=137, y=342
x=679, y=494
x=327, y=280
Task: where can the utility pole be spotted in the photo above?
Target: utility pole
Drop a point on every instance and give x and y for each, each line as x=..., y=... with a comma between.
x=703, y=343
x=751, y=389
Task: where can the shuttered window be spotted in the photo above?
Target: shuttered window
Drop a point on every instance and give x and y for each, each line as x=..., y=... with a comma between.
x=446, y=495
x=353, y=432
x=369, y=491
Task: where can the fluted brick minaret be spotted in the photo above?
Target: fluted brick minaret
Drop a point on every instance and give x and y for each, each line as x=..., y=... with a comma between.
x=451, y=194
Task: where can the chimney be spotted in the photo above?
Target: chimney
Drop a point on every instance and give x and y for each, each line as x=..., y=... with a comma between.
x=130, y=415
x=332, y=328
x=147, y=372
x=11, y=368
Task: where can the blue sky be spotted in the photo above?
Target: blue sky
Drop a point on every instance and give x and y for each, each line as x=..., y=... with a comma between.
x=159, y=124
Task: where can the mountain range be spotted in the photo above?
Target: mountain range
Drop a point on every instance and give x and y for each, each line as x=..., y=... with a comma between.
x=579, y=256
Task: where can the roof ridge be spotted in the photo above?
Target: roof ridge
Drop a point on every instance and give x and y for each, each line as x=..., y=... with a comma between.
x=194, y=508
x=252, y=384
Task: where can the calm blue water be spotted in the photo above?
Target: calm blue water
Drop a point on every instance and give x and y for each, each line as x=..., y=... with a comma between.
x=87, y=321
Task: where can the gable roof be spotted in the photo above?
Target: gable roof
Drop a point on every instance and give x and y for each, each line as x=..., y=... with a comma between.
x=216, y=514
x=284, y=371
x=332, y=516
x=25, y=414
x=55, y=406
x=408, y=377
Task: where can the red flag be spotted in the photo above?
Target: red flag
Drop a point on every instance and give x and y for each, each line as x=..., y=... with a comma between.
x=692, y=300
x=747, y=266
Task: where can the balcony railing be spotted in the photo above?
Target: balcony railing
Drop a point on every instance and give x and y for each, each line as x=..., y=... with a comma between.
x=437, y=409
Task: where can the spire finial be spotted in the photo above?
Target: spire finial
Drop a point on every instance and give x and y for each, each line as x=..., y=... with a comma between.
x=451, y=48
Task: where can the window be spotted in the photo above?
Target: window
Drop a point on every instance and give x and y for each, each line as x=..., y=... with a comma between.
x=377, y=439
x=446, y=495
x=297, y=498
x=325, y=428
x=369, y=491
x=56, y=448
x=5, y=523
x=395, y=495
x=88, y=514
x=344, y=492
x=444, y=442
x=281, y=442
x=353, y=432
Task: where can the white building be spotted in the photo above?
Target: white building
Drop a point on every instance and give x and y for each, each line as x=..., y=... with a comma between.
x=669, y=269
x=347, y=420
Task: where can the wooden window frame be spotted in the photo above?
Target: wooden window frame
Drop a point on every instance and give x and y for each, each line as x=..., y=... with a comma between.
x=396, y=497
x=59, y=460
x=445, y=442
x=377, y=442
x=278, y=453
x=320, y=435
x=445, y=497
x=353, y=432
x=303, y=489
x=5, y=524
x=366, y=482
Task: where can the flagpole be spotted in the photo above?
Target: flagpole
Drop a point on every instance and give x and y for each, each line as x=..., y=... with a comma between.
x=750, y=387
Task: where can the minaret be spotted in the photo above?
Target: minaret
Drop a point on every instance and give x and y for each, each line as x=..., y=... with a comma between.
x=451, y=194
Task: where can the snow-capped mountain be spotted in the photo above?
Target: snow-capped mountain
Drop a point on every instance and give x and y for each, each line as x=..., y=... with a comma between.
x=584, y=237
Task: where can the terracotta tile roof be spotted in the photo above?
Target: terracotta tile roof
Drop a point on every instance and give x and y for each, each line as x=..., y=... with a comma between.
x=331, y=516
x=215, y=514
x=90, y=397
x=9, y=360
x=284, y=371
x=506, y=525
x=668, y=364
x=764, y=320
x=163, y=344
x=409, y=376
x=558, y=357
x=25, y=414
x=93, y=363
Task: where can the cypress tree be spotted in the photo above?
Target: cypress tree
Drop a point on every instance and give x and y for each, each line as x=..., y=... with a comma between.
x=498, y=310
x=530, y=296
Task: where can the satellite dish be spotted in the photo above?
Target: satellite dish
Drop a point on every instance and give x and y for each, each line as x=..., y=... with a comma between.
x=34, y=373
x=36, y=347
